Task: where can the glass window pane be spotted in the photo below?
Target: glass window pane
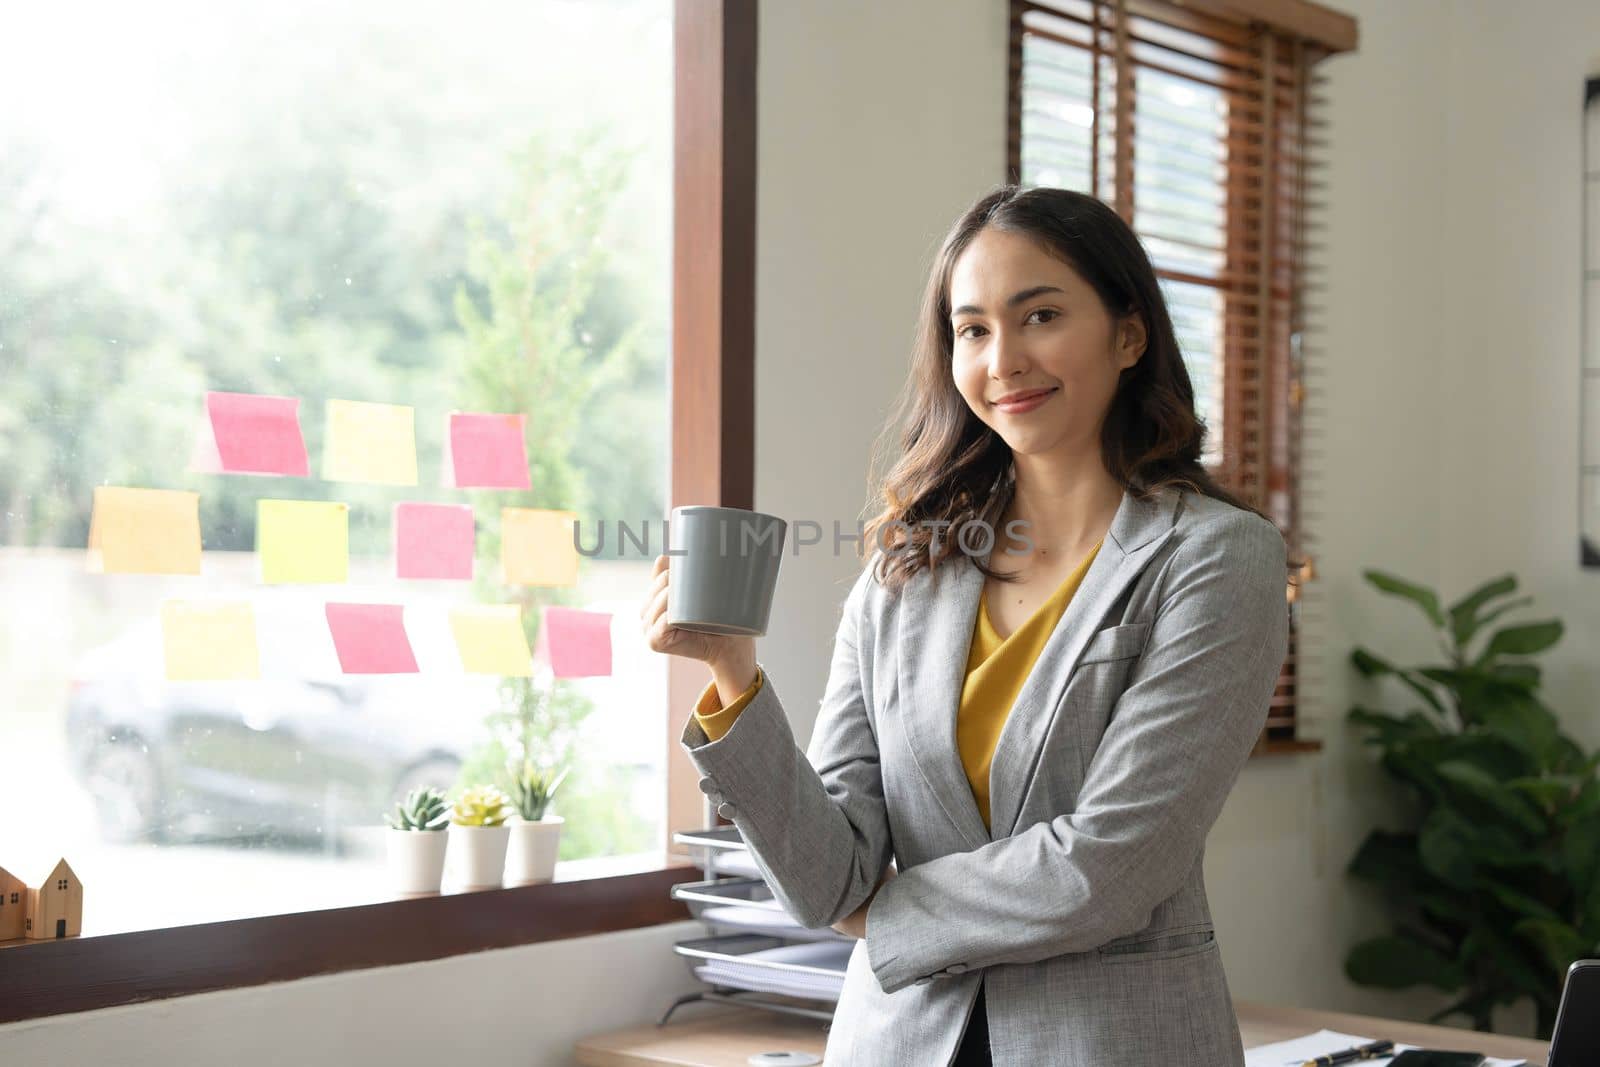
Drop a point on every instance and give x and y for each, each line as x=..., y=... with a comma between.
x=462, y=208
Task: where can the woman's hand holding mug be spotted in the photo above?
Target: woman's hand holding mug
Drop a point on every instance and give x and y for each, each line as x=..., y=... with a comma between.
x=732, y=658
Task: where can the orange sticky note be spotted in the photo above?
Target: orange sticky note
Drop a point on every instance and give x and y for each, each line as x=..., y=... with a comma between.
x=303, y=540
x=575, y=644
x=490, y=639
x=374, y=443
x=144, y=531
x=536, y=546
x=209, y=641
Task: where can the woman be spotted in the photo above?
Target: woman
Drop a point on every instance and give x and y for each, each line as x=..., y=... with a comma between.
x=1038, y=728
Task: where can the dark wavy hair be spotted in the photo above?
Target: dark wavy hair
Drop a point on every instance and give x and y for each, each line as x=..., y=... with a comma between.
x=954, y=468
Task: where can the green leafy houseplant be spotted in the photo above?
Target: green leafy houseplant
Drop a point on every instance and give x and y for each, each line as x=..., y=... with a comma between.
x=1497, y=889
x=532, y=788
x=481, y=805
x=422, y=809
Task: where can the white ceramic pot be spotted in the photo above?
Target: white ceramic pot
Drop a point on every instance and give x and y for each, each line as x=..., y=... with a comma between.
x=416, y=860
x=534, y=845
x=480, y=855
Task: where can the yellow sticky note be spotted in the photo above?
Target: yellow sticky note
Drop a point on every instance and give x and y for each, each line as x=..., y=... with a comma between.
x=536, y=547
x=144, y=531
x=490, y=639
x=370, y=443
x=303, y=540
x=209, y=641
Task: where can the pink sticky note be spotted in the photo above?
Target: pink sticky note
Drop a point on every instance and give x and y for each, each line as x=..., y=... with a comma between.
x=575, y=644
x=433, y=541
x=258, y=434
x=488, y=451
x=371, y=639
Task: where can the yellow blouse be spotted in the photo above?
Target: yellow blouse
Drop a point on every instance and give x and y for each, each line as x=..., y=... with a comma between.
x=996, y=669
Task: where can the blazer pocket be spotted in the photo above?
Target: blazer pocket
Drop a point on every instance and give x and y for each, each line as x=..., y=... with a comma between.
x=1162, y=945
x=1116, y=642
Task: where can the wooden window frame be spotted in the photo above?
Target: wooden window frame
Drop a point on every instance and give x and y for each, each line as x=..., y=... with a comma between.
x=1262, y=386
x=713, y=448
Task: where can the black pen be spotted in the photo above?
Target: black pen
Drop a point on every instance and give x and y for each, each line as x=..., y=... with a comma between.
x=1370, y=1051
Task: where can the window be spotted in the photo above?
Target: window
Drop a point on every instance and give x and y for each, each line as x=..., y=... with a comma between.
x=379, y=202
x=1164, y=111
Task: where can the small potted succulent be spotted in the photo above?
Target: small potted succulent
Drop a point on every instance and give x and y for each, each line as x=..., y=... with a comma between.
x=478, y=825
x=417, y=841
x=535, y=834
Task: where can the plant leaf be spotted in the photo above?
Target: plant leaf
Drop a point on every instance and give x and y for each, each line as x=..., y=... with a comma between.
x=1448, y=905
x=1525, y=724
x=1423, y=597
x=1548, y=792
x=1390, y=729
x=1523, y=675
x=1510, y=605
x=1525, y=640
x=1477, y=783
x=1395, y=962
x=1372, y=666
x=1580, y=847
x=1389, y=859
x=1526, y=975
x=1559, y=943
x=1464, y=612
x=1444, y=843
x=1520, y=902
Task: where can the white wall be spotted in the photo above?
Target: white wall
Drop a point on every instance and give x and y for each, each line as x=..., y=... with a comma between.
x=1445, y=368
x=879, y=123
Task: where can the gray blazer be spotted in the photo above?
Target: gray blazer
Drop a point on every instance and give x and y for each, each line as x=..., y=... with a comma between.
x=1083, y=911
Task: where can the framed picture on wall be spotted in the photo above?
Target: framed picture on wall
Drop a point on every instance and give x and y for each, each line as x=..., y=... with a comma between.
x=1589, y=404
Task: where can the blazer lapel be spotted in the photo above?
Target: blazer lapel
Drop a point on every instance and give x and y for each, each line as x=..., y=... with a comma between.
x=937, y=614
x=1137, y=532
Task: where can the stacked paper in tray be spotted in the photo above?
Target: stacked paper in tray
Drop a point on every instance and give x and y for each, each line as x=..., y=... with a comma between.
x=809, y=970
x=765, y=918
x=738, y=861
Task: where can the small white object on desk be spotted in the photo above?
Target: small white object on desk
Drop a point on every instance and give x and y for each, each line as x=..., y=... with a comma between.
x=1298, y=1050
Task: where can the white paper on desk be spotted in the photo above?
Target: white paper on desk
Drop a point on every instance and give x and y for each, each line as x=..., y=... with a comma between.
x=1299, y=1049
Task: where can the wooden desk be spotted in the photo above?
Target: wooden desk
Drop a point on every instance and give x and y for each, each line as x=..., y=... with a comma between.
x=721, y=1036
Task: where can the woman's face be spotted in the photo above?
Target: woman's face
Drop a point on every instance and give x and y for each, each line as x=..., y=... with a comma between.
x=1023, y=321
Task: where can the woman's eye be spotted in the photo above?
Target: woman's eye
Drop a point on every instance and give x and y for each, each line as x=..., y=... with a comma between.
x=962, y=333
x=1052, y=312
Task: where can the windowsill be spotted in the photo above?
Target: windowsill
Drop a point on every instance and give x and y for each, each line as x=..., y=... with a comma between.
x=1284, y=747
x=603, y=895
x=303, y=885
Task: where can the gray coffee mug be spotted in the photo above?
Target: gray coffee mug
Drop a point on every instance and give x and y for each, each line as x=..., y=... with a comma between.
x=724, y=566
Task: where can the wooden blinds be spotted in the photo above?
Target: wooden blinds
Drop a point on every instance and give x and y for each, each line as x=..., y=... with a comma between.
x=1197, y=123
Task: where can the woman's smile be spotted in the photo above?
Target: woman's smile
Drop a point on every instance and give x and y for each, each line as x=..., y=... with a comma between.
x=1022, y=407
